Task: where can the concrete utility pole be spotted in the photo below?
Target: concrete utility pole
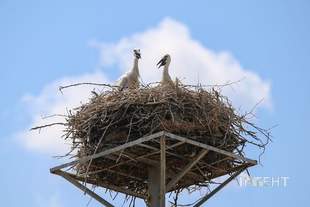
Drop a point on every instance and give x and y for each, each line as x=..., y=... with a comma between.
x=157, y=179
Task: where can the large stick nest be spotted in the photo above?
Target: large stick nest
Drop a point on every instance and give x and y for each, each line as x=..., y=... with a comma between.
x=115, y=117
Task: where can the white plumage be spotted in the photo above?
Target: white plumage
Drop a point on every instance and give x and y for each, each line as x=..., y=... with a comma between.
x=166, y=79
x=130, y=80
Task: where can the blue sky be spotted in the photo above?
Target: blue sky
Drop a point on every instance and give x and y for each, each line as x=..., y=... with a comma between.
x=42, y=42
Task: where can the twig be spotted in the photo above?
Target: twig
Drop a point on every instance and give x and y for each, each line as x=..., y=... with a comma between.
x=86, y=83
x=48, y=125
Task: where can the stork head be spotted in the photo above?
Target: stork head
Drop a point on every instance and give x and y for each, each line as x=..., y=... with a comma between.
x=137, y=53
x=165, y=60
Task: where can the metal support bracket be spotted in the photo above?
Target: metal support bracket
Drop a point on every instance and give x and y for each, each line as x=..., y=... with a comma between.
x=218, y=188
x=83, y=188
x=159, y=172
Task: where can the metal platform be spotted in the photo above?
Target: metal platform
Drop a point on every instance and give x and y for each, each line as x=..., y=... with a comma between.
x=160, y=172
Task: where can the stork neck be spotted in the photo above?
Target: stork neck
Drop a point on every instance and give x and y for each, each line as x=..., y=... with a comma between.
x=135, y=66
x=165, y=71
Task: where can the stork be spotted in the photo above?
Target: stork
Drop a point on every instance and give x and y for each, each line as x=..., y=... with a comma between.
x=131, y=79
x=166, y=79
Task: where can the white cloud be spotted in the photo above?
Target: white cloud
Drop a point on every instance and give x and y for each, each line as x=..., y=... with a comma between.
x=50, y=101
x=191, y=62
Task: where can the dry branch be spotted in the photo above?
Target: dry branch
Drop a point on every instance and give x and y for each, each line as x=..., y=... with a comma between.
x=115, y=117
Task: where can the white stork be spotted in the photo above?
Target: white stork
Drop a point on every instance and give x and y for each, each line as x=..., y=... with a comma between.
x=166, y=79
x=131, y=79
